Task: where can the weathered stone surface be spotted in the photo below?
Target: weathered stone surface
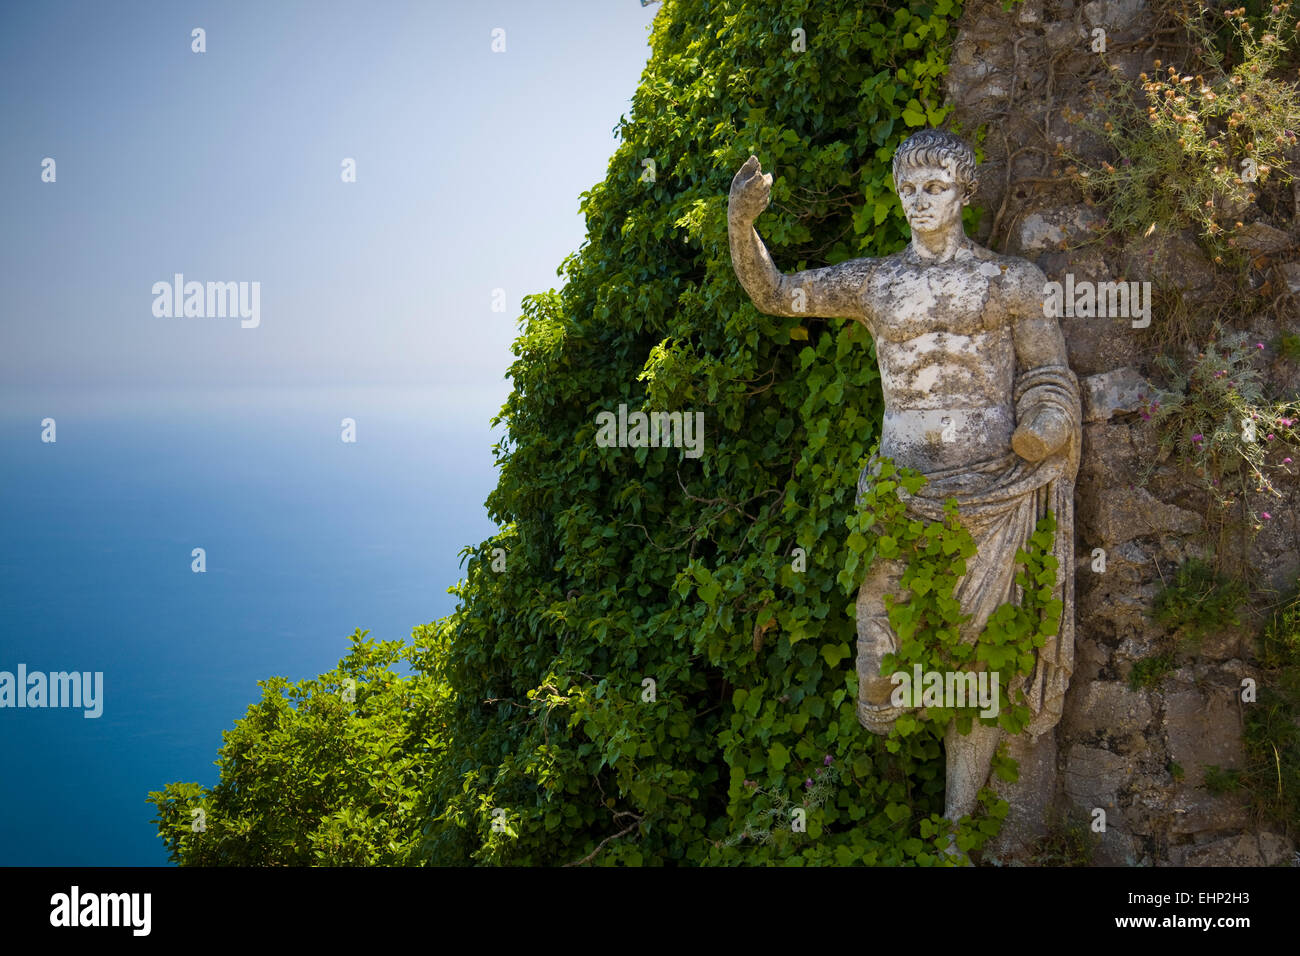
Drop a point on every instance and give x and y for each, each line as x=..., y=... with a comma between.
x=1202, y=729
x=1115, y=847
x=1125, y=513
x=1196, y=811
x=1093, y=777
x=1111, y=455
x=1171, y=259
x=1047, y=229
x=1112, y=14
x=1263, y=849
x=1030, y=12
x=1034, y=790
x=1261, y=237
x=1291, y=276
x=1223, y=644
x=1107, y=708
x=1115, y=392
x=1101, y=343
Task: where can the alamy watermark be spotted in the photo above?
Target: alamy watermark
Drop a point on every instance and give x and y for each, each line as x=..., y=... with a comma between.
x=56, y=689
x=1087, y=299
x=75, y=908
x=651, y=430
x=213, y=300
x=946, y=689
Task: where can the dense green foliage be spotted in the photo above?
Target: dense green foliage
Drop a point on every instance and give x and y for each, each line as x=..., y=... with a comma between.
x=326, y=771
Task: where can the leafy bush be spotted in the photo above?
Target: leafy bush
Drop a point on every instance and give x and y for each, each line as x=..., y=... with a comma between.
x=1196, y=149
x=1216, y=416
x=1198, y=602
x=326, y=771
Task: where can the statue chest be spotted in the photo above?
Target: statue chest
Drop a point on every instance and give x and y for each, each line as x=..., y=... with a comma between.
x=963, y=299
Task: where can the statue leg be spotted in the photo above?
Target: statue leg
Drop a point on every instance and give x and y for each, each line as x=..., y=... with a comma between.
x=875, y=640
x=969, y=759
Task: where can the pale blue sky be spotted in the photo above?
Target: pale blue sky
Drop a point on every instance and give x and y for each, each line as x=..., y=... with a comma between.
x=226, y=166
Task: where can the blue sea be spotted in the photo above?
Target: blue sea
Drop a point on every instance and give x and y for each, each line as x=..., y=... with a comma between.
x=306, y=538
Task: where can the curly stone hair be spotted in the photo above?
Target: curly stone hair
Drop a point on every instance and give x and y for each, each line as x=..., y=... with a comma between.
x=935, y=147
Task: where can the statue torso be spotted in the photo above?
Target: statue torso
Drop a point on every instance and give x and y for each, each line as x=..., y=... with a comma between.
x=943, y=334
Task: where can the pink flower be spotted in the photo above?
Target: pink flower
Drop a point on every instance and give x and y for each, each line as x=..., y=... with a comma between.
x=1198, y=438
x=829, y=760
x=808, y=783
x=1287, y=422
x=1259, y=345
x=1286, y=461
x=1266, y=516
x=1268, y=437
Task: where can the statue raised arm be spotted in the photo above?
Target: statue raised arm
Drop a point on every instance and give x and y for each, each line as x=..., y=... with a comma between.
x=832, y=292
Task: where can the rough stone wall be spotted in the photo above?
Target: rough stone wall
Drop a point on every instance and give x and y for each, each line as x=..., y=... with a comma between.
x=1117, y=748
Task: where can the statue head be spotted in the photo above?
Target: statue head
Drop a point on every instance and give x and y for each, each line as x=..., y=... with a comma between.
x=934, y=174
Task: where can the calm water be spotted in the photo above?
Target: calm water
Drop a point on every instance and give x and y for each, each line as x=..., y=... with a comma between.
x=306, y=538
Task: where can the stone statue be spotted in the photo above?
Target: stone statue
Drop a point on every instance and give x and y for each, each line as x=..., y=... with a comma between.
x=979, y=398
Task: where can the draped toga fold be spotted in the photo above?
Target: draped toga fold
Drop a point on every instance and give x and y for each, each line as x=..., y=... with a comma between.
x=1000, y=501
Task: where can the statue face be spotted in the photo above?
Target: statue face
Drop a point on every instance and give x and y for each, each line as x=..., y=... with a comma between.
x=932, y=198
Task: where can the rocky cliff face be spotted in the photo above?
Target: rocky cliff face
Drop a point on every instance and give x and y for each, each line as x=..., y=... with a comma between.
x=1140, y=755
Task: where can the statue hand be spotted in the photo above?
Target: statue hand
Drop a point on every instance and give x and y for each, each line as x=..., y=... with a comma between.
x=1042, y=433
x=751, y=191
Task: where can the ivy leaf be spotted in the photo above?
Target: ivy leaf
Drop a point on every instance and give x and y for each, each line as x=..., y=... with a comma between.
x=834, y=653
x=777, y=757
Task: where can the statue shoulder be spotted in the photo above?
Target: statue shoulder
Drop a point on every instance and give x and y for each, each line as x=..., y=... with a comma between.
x=862, y=268
x=882, y=265
x=858, y=273
x=1020, y=280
